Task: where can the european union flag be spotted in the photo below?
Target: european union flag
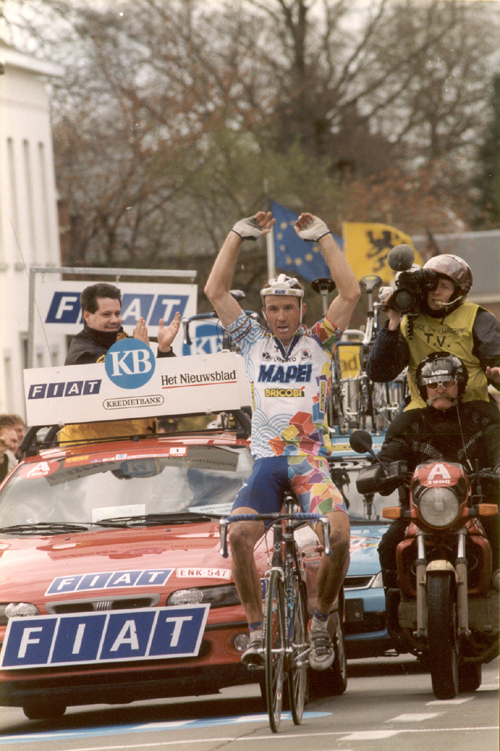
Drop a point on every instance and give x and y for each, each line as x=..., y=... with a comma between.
x=292, y=254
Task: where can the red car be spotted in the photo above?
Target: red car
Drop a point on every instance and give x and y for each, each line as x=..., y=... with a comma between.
x=112, y=585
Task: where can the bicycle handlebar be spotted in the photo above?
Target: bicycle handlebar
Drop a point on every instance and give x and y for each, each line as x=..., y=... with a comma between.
x=275, y=517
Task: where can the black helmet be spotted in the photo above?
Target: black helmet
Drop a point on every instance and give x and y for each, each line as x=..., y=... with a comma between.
x=438, y=365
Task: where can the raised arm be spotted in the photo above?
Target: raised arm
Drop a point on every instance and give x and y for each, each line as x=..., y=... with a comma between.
x=219, y=282
x=313, y=229
x=388, y=356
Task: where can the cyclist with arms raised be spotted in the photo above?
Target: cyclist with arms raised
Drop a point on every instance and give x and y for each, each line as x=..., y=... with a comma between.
x=288, y=368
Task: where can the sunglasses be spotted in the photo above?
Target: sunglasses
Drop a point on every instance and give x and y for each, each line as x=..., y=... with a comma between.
x=446, y=383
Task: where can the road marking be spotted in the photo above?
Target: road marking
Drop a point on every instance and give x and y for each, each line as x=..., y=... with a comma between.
x=414, y=717
x=488, y=687
x=148, y=727
x=370, y=735
x=458, y=700
x=362, y=735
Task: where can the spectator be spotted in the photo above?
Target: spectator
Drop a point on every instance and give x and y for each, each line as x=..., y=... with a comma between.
x=101, y=306
x=288, y=369
x=447, y=322
x=4, y=459
x=9, y=448
x=167, y=424
x=15, y=422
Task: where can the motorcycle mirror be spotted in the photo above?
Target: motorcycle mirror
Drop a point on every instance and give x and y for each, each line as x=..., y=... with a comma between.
x=361, y=441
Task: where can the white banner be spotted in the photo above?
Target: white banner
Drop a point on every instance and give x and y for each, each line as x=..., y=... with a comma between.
x=59, y=303
x=132, y=383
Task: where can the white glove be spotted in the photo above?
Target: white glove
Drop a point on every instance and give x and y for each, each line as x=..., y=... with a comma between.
x=248, y=229
x=314, y=230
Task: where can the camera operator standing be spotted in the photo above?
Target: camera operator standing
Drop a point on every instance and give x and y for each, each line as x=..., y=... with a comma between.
x=428, y=312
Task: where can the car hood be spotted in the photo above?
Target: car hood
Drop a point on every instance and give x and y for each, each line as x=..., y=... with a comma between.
x=31, y=565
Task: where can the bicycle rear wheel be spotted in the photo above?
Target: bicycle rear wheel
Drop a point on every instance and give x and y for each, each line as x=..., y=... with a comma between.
x=297, y=630
x=275, y=644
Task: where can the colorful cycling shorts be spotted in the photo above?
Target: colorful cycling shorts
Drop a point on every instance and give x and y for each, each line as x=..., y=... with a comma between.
x=308, y=476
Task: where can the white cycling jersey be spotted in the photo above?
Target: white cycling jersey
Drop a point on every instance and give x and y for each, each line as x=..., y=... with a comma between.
x=290, y=389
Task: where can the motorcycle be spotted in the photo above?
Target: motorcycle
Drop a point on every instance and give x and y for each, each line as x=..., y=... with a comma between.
x=447, y=611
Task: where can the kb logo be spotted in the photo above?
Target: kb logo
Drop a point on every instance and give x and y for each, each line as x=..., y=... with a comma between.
x=130, y=363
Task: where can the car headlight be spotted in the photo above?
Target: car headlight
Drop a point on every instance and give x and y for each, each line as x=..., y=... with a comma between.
x=185, y=597
x=438, y=507
x=377, y=582
x=218, y=597
x=17, y=610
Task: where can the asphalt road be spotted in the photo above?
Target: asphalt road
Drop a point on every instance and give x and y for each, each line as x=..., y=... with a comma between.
x=388, y=706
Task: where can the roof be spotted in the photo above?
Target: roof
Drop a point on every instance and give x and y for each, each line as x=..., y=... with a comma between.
x=10, y=57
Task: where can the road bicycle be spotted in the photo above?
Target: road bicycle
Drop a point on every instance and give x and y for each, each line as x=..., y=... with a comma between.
x=285, y=637
x=355, y=402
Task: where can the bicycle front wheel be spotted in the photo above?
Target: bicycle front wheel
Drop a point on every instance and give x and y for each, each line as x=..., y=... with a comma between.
x=275, y=648
x=297, y=630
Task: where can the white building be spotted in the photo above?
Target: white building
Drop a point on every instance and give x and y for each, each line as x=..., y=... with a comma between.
x=28, y=216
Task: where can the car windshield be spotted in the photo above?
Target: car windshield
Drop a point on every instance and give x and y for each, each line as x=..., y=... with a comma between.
x=91, y=488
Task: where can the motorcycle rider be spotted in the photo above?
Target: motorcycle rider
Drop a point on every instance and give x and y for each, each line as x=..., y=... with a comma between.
x=448, y=321
x=447, y=429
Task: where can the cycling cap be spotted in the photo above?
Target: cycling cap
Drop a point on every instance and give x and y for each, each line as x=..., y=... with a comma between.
x=283, y=285
x=441, y=365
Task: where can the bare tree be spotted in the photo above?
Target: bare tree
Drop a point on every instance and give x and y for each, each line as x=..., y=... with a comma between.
x=172, y=115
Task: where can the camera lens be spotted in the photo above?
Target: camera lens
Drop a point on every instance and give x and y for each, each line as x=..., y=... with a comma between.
x=403, y=300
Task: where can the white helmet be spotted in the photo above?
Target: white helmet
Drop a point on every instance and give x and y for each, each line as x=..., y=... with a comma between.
x=283, y=285
x=286, y=286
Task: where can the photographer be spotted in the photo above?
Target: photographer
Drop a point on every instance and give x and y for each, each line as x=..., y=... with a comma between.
x=439, y=318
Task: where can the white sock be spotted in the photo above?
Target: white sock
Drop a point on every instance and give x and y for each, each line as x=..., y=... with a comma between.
x=316, y=624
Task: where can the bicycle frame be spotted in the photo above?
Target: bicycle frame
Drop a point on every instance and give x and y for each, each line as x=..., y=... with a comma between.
x=284, y=627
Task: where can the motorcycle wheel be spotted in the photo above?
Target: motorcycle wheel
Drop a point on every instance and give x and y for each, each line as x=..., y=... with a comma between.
x=442, y=635
x=469, y=677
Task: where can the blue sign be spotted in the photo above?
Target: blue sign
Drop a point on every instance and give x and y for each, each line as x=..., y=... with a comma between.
x=109, y=580
x=64, y=388
x=120, y=635
x=130, y=363
x=206, y=339
x=64, y=308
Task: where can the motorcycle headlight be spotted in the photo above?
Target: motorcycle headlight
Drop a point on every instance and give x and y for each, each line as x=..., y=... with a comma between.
x=438, y=507
x=218, y=596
